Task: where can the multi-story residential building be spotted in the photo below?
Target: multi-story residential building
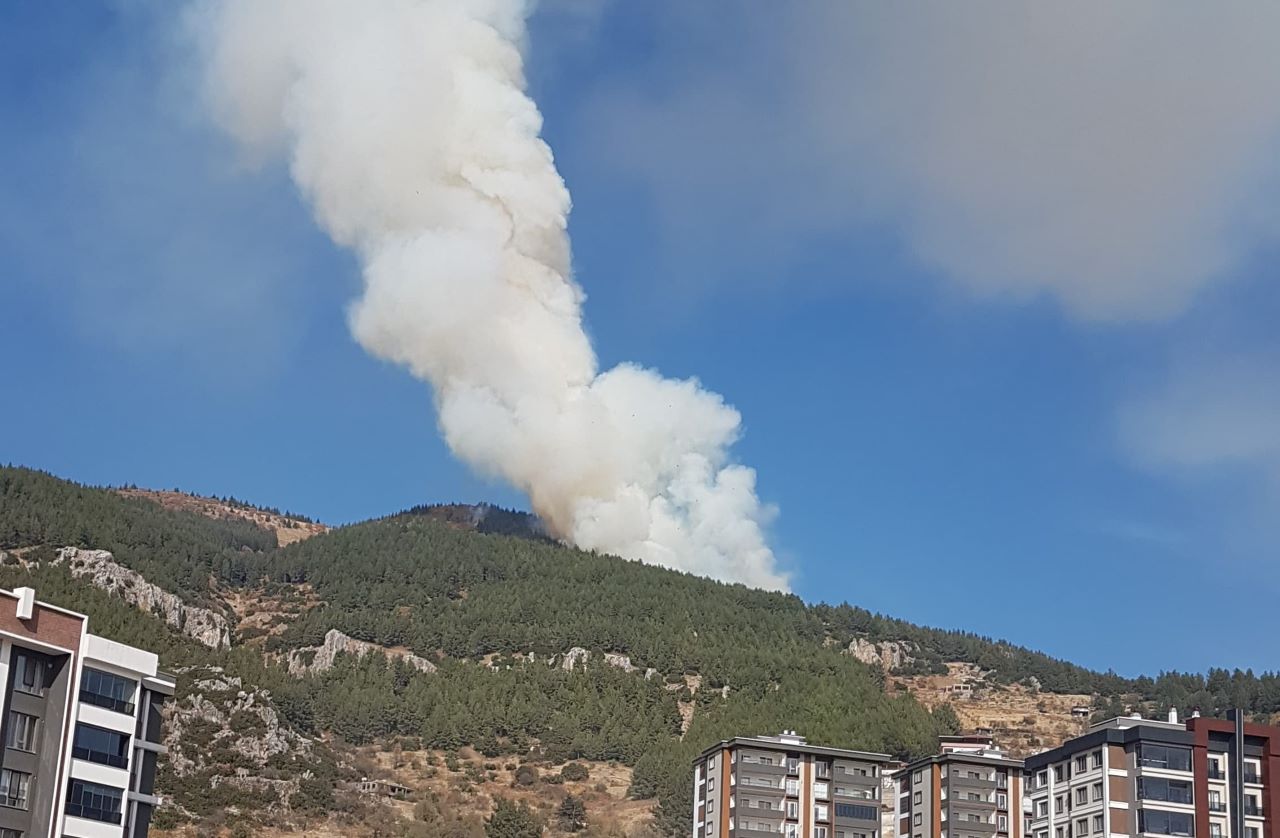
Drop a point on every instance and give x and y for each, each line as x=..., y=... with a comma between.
x=969, y=790
x=763, y=786
x=1211, y=778
x=1237, y=777
x=80, y=719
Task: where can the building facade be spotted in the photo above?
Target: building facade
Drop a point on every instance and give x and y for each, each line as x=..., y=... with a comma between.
x=1211, y=778
x=80, y=720
x=760, y=787
x=969, y=790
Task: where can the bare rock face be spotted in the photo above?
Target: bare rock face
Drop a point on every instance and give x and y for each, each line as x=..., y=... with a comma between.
x=101, y=569
x=573, y=657
x=221, y=722
x=320, y=658
x=890, y=654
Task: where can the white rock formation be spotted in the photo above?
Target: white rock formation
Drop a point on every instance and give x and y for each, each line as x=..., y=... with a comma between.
x=890, y=654
x=101, y=570
x=336, y=642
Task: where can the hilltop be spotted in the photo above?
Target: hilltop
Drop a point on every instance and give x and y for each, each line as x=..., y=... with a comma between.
x=422, y=648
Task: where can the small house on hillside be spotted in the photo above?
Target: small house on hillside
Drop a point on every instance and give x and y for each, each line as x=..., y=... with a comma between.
x=383, y=788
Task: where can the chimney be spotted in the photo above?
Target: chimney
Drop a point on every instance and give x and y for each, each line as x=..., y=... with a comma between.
x=1173, y=715
x=1195, y=712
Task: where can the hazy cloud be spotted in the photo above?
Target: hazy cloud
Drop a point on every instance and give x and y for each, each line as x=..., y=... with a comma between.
x=1116, y=157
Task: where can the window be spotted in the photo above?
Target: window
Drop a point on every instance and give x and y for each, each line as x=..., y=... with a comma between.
x=820, y=812
x=1158, y=788
x=916, y=799
x=102, y=803
x=1002, y=823
x=1215, y=830
x=1251, y=832
x=1097, y=759
x=1057, y=805
x=1164, y=756
x=1082, y=764
x=1082, y=826
x=29, y=672
x=1042, y=808
x=916, y=821
x=793, y=787
x=711, y=781
x=819, y=832
x=1002, y=801
x=1097, y=823
x=1058, y=832
x=858, y=812
x=711, y=763
x=793, y=765
x=14, y=787
x=711, y=806
x=22, y=732
x=1097, y=791
x=1057, y=773
x=793, y=809
x=10, y=833
x=1082, y=796
x=822, y=769
x=1002, y=780
x=1251, y=805
x=1042, y=779
x=820, y=791
x=1166, y=823
x=711, y=827
x=106, y=690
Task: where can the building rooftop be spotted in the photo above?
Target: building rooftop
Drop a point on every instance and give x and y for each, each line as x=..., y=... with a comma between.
x=789, y=740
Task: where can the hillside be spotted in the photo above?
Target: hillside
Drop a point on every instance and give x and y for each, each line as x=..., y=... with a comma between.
x=526, y=651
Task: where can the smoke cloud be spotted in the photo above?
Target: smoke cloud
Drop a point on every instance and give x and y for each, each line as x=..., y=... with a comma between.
x=408, y=129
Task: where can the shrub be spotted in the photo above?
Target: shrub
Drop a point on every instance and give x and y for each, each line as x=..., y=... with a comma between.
x=575, y=772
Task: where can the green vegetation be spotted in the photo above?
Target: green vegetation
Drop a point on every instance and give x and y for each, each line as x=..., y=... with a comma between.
x=745, y=661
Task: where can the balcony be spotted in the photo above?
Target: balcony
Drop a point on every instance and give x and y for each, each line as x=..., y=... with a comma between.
x=851, y=779
x=1216, y=772
x=744, y=832
x=1217, y=806
x=762, y=769
x=970, y=805
x=1253, y=777
x=983, y=827
x=965, y=782
x=1252, y=811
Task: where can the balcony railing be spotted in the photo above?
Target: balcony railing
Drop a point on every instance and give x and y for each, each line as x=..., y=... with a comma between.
x=1217, y=806
x=117, y=704
x=100, y=757
x=1216, y=773
x=1253, y=777
x=93, y=814
x=972, y=782
x=1253, y=811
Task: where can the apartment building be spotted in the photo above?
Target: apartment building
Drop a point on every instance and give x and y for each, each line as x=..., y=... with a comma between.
x=1212, y=778
x=969, y=790
x=763, y=786
x=80, y=720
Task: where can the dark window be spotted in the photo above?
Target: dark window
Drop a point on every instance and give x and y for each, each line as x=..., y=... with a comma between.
x=101, y=746
x=95, y=802
x=21, y=733
x=1166, y=823
x=106, y=690
x=10, y=833
x=29, y=672
x=14, y=788
x=1158, y=788
x=1164, y=756
x=857, y=812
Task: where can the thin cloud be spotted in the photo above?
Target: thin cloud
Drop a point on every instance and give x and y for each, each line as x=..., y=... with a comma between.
x=1117, y=158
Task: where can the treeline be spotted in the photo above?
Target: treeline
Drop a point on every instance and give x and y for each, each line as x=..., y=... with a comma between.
x=176, y=550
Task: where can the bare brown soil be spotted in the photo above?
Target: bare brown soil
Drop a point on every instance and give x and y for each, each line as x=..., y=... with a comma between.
x=287, y=530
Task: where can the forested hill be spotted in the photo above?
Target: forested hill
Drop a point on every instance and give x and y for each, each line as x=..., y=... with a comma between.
x=690, y=660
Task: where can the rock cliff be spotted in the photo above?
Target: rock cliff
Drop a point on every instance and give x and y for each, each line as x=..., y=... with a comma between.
x=316, y=659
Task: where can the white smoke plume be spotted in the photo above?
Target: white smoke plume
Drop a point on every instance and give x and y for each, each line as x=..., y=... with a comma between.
x=409, y=130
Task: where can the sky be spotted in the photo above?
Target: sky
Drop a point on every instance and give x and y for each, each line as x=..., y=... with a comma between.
x=992, y=287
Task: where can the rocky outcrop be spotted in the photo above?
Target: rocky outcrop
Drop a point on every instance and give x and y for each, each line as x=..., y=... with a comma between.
x=99, y=568
x=624, y=663
x=222, y=731
x=889, y=654
x=314, y=659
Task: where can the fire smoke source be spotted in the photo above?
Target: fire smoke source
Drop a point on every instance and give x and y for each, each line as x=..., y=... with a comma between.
x=408, y=129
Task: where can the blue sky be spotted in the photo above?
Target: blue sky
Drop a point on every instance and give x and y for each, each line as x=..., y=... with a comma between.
x=1001, y=328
